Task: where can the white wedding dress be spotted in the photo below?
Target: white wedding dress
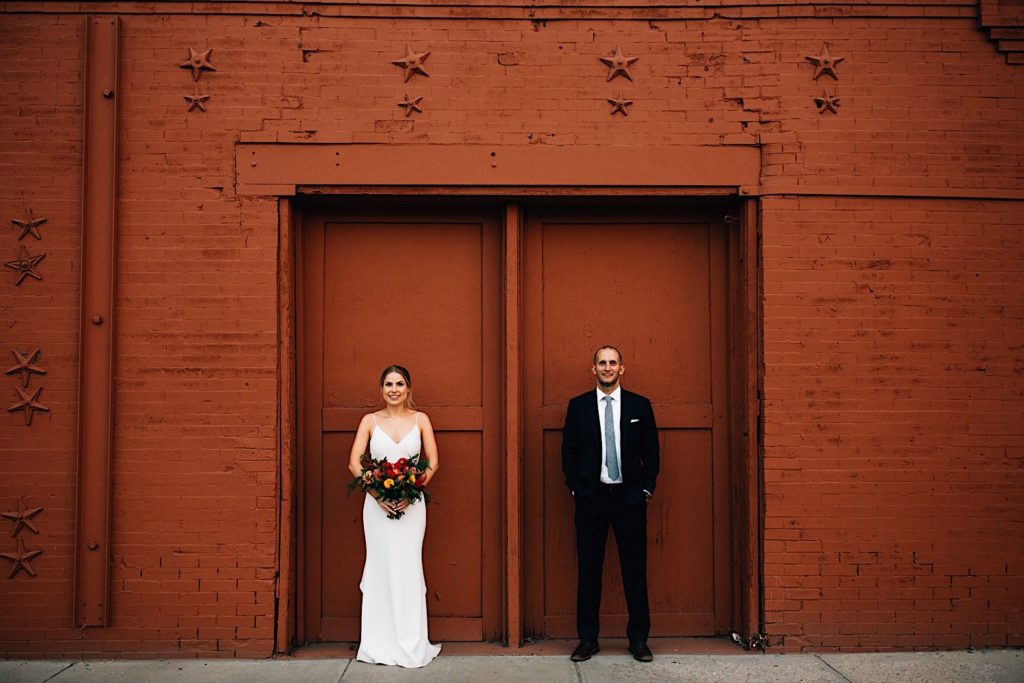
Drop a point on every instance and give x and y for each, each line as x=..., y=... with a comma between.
x=394, y=614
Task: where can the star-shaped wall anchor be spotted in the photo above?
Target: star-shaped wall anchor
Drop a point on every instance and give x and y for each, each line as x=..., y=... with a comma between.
x=198, y=62
x=619, y=104
x=195, y=100
x=411, y=105
x=25, y=265
x=29, y=226
x=412, y=62
x=26, y=366
x=22, y=559
x=22, y=518
x=824, y=63
x=28, y=404
x=827, y=102
x=618, y=63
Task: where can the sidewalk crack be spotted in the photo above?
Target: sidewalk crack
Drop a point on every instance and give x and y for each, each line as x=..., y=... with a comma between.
x=59, y=672
x=838, y=673
x=344, y=671
x=579, y=674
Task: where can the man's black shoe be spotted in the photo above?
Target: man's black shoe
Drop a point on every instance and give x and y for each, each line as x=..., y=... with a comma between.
x=585, y=650
x=641, y=652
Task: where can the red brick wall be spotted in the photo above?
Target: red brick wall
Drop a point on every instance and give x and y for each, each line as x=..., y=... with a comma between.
x=40, y=163
x=893, y=422
x=194, y=520
x=891, y=491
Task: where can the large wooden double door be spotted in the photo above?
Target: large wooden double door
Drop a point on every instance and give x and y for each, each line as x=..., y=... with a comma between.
x=429, y=288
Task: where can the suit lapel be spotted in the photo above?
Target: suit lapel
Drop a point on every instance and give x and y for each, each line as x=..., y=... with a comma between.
x=594, y=418
x=627, y=405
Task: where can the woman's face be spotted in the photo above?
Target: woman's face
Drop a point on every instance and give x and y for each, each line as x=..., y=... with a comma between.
x=394, y=389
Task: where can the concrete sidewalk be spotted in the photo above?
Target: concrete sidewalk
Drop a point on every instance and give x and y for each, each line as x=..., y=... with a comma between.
x=931, y=667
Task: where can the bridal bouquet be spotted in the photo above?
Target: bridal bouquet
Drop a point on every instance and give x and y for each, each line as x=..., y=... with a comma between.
x=393, y=481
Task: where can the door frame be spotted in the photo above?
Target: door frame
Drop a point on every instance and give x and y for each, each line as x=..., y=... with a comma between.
x=745, y=381
x=714, y=417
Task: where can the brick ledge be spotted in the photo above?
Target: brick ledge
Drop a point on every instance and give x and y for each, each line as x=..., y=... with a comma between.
x=1004, y=22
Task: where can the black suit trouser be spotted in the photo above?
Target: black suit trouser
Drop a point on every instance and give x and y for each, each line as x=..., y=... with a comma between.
x=594, y=515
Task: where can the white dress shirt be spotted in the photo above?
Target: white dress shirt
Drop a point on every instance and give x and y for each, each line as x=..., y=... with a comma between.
x=616, y=397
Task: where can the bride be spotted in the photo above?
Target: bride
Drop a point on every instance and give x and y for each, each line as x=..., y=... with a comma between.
x=394, y=614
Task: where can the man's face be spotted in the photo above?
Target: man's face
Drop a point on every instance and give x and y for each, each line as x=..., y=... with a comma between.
x=608, y=368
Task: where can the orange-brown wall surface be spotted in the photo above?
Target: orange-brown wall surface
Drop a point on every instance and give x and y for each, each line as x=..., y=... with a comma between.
x=892, y=238
x=893, y=419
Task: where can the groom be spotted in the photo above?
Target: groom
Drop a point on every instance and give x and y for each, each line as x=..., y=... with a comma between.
x=610, y=460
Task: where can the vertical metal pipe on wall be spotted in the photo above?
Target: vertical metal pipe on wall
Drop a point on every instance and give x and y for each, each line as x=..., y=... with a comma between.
x=96, y=340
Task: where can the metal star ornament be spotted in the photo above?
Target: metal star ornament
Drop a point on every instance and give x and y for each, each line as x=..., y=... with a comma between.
x=22, y=559
x=28, y=404
x=22, y=518
x=198, y=62
x=26, y=366
x=618, y=64
x=412, y=63
x=411, y=105
x=25, y=265
x=824, y=63
x=29, y=226
x=195, y=100
x=619, y=105
x=827, y=103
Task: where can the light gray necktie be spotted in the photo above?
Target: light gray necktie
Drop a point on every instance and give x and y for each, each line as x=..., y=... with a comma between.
x=610, y=458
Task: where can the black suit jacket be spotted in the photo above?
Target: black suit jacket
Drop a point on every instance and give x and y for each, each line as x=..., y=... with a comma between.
x=582, y=439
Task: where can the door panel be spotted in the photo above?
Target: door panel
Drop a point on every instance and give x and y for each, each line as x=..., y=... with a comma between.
x=652, y=285
x=643, y=284
x=412, y=289
x=421, y=290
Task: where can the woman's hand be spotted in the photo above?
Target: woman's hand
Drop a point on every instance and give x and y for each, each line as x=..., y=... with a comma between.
x=428, y=475
x=392, y=507
x=384, y=505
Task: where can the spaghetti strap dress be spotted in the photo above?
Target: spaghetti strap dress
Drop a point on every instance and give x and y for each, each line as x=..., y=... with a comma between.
x=394, y=611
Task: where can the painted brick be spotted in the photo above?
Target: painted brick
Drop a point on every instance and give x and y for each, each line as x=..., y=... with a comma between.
x=913, y=363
